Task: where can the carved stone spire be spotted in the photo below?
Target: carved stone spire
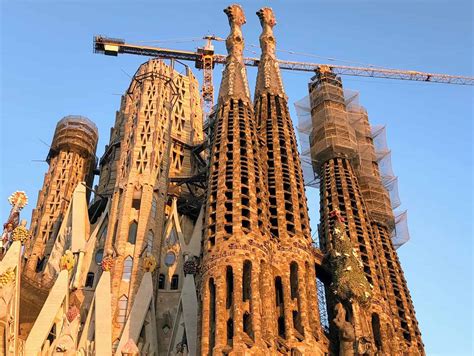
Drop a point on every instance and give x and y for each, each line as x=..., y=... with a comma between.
x=268, y=77
x=234, y=78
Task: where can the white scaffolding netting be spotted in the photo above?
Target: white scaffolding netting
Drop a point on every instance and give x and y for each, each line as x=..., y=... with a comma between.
x=382, y=154
x=401, y=234
x=303, y=111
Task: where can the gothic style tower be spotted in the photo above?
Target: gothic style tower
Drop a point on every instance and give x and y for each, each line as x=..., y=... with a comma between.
x=161, y=108
x=293, y=263
x=71, y=160
x=347, y=226
x=235, y=278
x=393, y=284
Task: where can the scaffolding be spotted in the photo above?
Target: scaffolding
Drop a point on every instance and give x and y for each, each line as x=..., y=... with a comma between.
x=373, y=163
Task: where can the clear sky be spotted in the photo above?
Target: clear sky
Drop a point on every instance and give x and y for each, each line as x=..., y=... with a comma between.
x=48, y=71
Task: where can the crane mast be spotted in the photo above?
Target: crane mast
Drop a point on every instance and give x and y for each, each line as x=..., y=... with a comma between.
x=205, y=59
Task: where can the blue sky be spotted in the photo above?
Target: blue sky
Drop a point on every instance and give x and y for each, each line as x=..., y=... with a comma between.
x=48, y=71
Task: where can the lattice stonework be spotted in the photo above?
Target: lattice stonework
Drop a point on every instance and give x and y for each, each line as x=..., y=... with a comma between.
x=158, y=107
x=71, y=160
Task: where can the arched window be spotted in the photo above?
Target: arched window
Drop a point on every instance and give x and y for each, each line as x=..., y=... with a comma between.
x=149, y=241
x=376, y=330
x=122, y=309
x=161, y=281
x=127, y=268
x=132, y=232
x=174, y=282
x=90, y=280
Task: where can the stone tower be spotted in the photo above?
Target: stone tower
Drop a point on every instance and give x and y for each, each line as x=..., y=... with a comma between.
x=355, y=213
x=392, y=282
x=159, y=112
x=296, y=326
x=71, y=160
x=235, y=274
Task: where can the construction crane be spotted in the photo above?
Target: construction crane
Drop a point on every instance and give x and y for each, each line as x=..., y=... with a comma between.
x=205, y=58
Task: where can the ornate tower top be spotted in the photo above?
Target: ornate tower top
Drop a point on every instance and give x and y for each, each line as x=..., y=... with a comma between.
x=74, y=133
x=234, y=78
x=269, y=77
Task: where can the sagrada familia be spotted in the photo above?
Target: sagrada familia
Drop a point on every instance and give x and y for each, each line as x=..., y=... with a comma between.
x=196, y=239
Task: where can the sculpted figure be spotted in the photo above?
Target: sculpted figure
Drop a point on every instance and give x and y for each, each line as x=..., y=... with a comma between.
x=346, y=331
x=65, y=344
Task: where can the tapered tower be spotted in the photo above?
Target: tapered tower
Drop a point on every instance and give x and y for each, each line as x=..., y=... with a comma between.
x=393, y=284
x=159, y=116
x=71, y=160
x=353, y=208
x=297, y=325
x=235, y=275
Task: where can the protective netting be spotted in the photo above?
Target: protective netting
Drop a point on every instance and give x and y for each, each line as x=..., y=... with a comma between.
x=374, y=151
x=401, y=234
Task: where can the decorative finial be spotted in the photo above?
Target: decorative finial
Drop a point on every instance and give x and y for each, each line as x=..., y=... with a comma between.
x=149, y=263
x=18, y=200
x=267, y=39
x=107, y=263
x=130, y=348
x=67, y=261
x=268, y=77
x=21, y=233
x=234, y=78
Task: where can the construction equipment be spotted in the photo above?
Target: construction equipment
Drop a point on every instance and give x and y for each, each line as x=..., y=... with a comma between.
x=205, y=59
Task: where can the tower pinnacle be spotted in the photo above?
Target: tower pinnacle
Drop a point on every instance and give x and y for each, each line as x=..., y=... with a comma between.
x=268, y=77
x=234, y=78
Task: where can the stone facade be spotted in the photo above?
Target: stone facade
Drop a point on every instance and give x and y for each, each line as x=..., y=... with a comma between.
x=199, y=245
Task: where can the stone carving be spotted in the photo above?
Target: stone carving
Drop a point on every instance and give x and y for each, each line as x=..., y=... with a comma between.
x=107, y=263
x=349, y=281
x=346, y=331
x=269, y=77
x=234, y=78
x=149, y=263
x=130, y=348
x=235, y=40
x=67, y=261
x=21, y=233
x=7, y=288
x=18, y=201
x=65, y=344
x=190, y=266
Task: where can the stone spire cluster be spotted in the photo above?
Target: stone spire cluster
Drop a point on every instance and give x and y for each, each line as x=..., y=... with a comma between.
x=258, y=281
x=197, y=245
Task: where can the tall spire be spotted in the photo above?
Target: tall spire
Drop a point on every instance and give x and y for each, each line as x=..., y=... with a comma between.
x=234, y=78
x=268, y=77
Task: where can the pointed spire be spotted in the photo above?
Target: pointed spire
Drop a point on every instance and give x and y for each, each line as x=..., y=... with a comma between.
x=268, y=77
x=234, y=78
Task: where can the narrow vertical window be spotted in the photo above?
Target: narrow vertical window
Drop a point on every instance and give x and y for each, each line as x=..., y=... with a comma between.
x=376, y=331
x=229, y=286
x=247, y=281
x=212, y=315
x=174, y=282
x=90, y=280
x=149, y=241
x=154, y=206
x=132, y=232
x=294, y=280
x=122, y=310
x=161, y=281
x=127, y=269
